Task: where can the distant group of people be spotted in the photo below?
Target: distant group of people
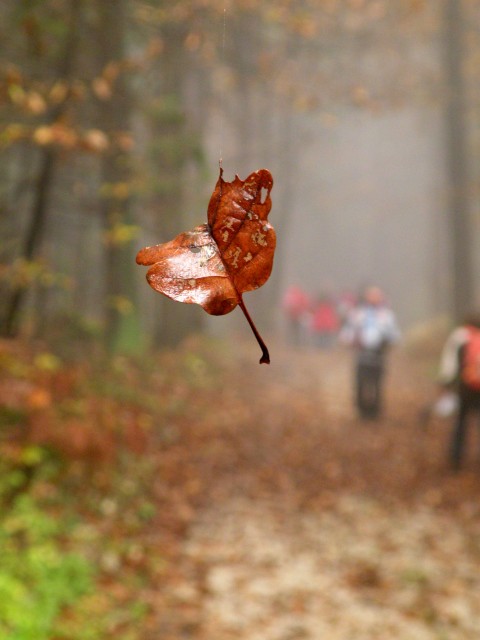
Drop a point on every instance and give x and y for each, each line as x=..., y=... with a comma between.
x=368, y=325
x=363, y=322
x=315, y=320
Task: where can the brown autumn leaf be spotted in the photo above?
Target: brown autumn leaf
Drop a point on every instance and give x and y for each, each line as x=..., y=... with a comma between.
x=215, y=263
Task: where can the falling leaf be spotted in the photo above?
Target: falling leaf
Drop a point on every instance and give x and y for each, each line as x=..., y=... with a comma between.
x=215, y=263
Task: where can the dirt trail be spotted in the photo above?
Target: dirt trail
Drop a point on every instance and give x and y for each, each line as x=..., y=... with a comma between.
x=317, y=526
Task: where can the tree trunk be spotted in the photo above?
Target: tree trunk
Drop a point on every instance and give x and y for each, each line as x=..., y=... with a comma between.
x=458, y=160
x=171, y=148
x=32, y=240
x=122, y=330
x=44, y=181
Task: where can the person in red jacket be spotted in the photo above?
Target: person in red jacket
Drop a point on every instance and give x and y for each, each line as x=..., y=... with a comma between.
x=295, y=304
x=460, y=370
x=324, y=322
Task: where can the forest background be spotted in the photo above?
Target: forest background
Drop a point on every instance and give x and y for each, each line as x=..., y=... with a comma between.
x=144, y=453
x=115, y=114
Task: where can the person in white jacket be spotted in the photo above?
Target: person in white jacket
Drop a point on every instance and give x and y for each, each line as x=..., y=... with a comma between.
x=371, y=328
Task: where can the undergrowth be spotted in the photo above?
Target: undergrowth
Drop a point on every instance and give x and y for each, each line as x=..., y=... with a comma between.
x=79, y=441
x=39, y=578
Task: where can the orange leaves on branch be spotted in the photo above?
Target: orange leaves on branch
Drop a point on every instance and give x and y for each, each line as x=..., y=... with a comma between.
x=215, y=263
x=57, y=133
x=67, y=137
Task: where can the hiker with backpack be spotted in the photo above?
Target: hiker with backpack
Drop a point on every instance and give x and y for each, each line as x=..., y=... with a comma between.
x=460, y=370
x=371, y=328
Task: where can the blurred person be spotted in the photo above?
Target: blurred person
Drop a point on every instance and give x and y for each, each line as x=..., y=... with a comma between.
x=371, y=328
x=295, y=305
x=345, y=304
x=460, y=371
x=324, y=321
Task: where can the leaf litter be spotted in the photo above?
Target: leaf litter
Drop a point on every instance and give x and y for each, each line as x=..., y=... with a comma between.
x=257, y=506
x=313, y=525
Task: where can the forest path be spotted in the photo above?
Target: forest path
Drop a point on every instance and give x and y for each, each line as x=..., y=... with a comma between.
x=321, y=527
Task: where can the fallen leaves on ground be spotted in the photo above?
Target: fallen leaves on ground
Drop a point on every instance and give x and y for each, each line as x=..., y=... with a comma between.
x=259, y=506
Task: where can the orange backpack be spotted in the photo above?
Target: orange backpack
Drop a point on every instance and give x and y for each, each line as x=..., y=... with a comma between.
x=470, y=373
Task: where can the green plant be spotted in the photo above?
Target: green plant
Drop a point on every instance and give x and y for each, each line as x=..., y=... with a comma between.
x=38, y=579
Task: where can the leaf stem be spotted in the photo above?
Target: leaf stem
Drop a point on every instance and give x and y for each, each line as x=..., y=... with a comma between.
x=265, y=359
